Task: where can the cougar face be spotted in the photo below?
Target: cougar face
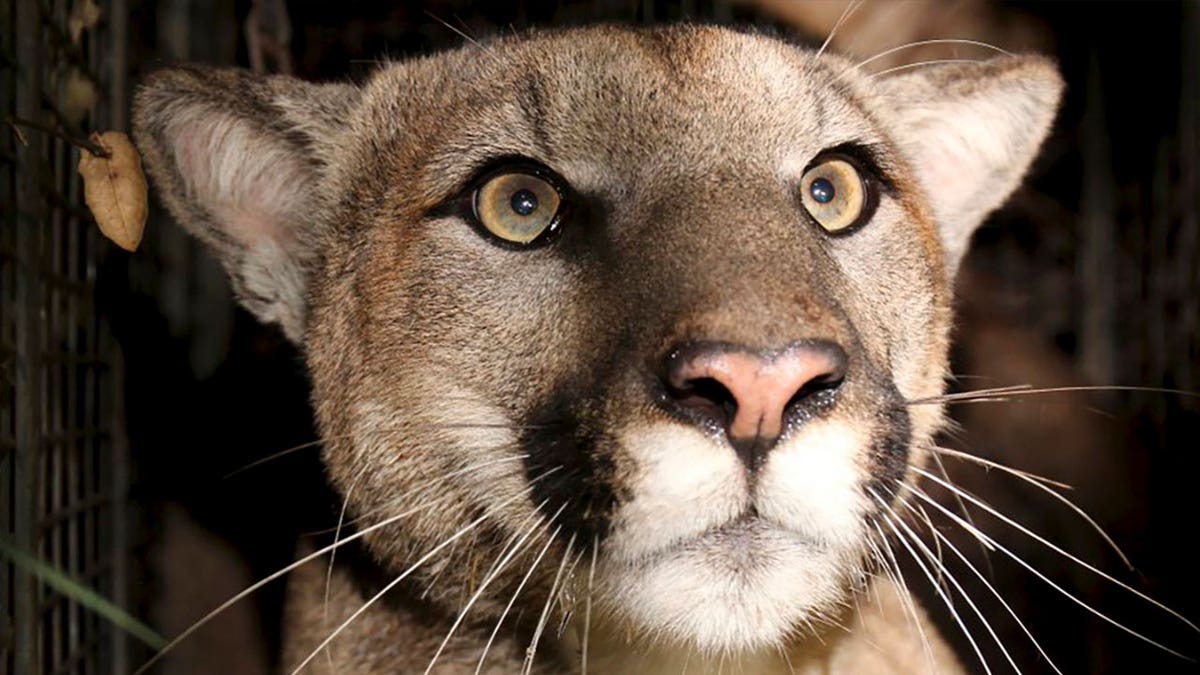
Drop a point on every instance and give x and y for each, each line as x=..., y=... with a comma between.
x=630, y=319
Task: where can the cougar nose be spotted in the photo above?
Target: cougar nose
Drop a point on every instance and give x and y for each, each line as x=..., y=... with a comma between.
x=752, y=393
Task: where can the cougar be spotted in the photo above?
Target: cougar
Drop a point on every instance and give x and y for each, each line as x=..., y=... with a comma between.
x=627, y=345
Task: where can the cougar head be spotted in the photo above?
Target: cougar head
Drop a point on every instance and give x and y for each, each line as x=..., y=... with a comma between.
x=647, y=309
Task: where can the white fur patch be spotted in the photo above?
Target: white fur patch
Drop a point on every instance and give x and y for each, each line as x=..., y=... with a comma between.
x=743, y=588
x=684, y=484
x=690, y=562
x=812, y=483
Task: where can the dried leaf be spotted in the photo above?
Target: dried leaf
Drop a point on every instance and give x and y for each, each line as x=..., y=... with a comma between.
x=79, y=95
x=114, y=188
x=84, y=16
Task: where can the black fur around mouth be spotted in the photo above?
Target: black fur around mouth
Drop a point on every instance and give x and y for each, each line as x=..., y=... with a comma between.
x=889, y=454
x=569, y=471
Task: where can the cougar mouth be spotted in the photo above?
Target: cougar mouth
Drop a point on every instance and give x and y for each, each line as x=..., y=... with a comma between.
x=743, y=537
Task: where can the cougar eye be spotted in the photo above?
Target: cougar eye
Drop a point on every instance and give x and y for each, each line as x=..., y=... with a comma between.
x=517, y=207
x=835, y=194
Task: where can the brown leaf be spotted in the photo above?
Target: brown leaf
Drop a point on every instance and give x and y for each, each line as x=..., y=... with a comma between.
x=84, y=16
x=114, y=188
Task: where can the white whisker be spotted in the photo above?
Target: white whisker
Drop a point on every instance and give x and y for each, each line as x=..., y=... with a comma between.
x=966, y=513
x=1038, y=483
x=272, y=577
x=1042, y=540
x=333, y=554
x=482, y=47
x=531, y=651
x=846, y=14
x=928, y=575
x=404, y=575
x=916, y=539
x=897, y=576
x=505, y=558
x=937, y=544
x=991, y=391
x=922, y=43
x=432, y=485
x=953, y=549
x=996, y=465
x=587, y=609
x=533, y=566
x=1029, y=390
x=977, y=533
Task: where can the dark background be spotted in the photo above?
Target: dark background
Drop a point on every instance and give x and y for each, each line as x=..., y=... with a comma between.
x=1091, y=276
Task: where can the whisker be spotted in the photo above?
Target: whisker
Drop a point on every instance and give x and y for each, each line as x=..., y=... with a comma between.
x=272, y=457
x=1029, y=390
x=333, y=554
x=587, y=609
x=272, y=577
x=1029, y=478
x=204, y=620
x=878, y=15
x=938, y=569
x=846, y=14
x=435, y=483
x=966, y=514
x=897, y=576
x=508, y=607
x=961, y=591
x=953, y=549
x=531, y=651
x=923, y=43
x=505, y=559
x=464, y=36
x=534, y=514
x=1026, y=475
x=412, y=568
x=1042, y=540
x=1057, y=587
x=928, y=575
x=314, y=443
x=566, y=596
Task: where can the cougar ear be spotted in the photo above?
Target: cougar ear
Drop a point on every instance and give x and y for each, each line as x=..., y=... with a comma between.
x=970, y=131
x=239, y=160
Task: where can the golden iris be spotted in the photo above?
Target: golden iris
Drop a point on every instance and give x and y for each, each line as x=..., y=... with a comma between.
x=517, y=207
x=833, y=193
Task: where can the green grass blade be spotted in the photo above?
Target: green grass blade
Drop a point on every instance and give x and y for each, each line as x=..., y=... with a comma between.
x=68, y=587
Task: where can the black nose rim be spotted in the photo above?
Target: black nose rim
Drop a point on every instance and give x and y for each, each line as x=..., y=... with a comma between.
x=696, y=382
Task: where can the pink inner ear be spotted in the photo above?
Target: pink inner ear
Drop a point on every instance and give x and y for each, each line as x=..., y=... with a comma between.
x=252, y=182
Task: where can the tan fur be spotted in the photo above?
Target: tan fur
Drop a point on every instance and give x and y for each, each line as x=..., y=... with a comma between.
x=513, y=398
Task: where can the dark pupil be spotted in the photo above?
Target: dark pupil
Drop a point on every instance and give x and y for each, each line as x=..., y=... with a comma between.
x=524, y=202
x=821, y=191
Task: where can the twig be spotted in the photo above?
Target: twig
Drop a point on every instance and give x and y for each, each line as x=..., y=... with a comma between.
x=82, y=143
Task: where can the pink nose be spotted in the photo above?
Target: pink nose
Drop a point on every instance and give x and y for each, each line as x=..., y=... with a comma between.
x=752, y=393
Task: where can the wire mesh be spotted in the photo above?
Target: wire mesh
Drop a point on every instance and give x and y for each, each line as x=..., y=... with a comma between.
x=62, y=466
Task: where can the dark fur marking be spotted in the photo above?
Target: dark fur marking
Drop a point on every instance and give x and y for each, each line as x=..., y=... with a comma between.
x=889, y=454
x=557, y=439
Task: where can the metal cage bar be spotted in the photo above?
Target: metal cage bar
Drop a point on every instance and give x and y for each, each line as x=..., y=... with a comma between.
x=63, y=470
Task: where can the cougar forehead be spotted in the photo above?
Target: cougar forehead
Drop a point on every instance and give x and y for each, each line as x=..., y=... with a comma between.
x=690, y=381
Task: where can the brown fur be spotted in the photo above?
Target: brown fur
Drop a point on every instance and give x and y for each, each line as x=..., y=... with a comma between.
x=482, y=384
